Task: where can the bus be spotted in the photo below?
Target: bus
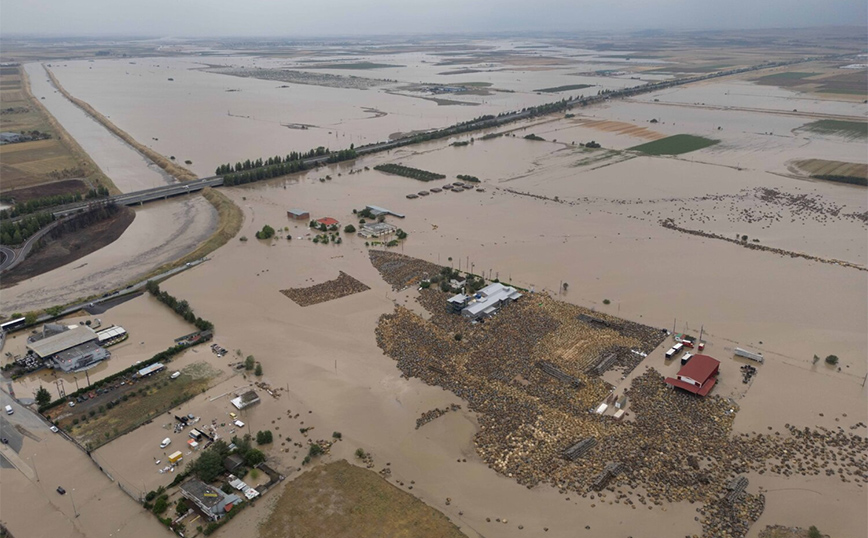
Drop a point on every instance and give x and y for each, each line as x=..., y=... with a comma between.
x=12, y=325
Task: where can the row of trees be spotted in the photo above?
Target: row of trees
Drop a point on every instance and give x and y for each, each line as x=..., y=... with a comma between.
x=465, y=177
x=15, y=233
x=97, y=213
x=182, y=308
x=294, y=157
x=281, y=169
x=32, y=206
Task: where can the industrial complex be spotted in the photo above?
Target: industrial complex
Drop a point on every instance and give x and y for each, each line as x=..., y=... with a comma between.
x=70, y=348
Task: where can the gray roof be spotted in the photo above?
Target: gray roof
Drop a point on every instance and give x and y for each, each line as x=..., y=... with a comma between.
x=492, y=296
x=80, y=357
x=212, y=498
x=297, y=212
x=63, y=341
x=383, y=210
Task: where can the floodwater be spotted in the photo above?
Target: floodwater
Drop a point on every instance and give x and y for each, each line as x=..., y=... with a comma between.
x=161, y=232
x=128, y=169
x=327, y=358
x=178, y=108
x=602, y=236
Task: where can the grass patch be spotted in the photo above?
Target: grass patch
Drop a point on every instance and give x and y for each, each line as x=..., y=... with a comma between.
x=675, y=145
x=847, y=129
x=145, y=399
x=822, y=167
x=341, y=500
x=790, y=78
x=566, y=88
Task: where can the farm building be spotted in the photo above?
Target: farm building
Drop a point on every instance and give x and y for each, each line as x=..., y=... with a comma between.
x=376, y=211
x=486, y=301
x=112, y=335
x=328, y=221
x=377, y=229
x=68, y=348
x=245, y=400
x=212, y=501
x=697, y=376
x=298, y=214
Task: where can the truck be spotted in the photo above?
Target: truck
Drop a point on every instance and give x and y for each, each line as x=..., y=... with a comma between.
x=674, y=350
x=175, y=457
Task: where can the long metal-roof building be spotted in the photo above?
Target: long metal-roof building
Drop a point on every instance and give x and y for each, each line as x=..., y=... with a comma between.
x=486, y=301
x=51, y=345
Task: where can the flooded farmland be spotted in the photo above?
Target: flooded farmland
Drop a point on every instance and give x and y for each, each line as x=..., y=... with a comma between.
x=730, y=240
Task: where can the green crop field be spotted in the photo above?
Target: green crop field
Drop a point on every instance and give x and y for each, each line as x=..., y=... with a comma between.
x=675, y=145
x=847, y=129
x=568, y=87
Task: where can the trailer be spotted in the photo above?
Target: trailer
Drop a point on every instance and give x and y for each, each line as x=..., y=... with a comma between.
x=758, y=357
x=175, y=457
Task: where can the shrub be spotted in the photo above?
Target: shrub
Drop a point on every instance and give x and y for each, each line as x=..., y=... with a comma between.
x=832, y=359
x=814, y=532
x=606, y=301
x=337, y=435
x=181, y=508
x=161, y=504
x=249, y=362
x=267, y=232
x=361, y=454
x=263, y=437
x=258, y=370
x=458, y=337
x=315, y=450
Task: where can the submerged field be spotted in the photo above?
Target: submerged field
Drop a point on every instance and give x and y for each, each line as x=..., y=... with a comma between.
x=851, y=130
x=675, y=145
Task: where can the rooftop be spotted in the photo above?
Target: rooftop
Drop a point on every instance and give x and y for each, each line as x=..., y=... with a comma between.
x=328, y=221
x=62, y=341
x=699, y=368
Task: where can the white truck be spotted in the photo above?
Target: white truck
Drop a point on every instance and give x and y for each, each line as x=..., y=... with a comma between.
x=674, y=350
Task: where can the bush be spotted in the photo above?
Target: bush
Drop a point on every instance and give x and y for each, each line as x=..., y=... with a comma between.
x=606, y=301
x=267, y=232
x=161, y=504
x=249, y=362
x=361, y=454
x=263, y=437
x=181, y=508
x=349, y=228
x=458, y=337
x=337, y=435
x=258, y=370
x=832, y=359
x=315, y=450
x=814, y=532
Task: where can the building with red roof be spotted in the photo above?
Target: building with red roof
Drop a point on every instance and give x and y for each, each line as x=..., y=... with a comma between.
x=697, y=376
x=328, y=221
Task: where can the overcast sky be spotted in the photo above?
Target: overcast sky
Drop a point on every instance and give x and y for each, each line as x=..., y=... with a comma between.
x=291, y=18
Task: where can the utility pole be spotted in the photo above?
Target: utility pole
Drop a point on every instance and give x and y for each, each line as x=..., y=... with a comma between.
x=33, y=463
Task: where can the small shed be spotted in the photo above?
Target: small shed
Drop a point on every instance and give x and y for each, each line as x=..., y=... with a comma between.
x=232, y=462
x=298, y=214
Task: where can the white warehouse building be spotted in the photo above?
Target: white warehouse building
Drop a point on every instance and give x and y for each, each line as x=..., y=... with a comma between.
x=485, y=302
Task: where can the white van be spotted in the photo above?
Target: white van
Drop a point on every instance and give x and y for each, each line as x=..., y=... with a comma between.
x=9, y=410
x=176, y=375
x=166, y=442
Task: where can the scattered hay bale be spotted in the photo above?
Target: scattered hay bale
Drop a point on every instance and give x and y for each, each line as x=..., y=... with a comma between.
x=342, y=286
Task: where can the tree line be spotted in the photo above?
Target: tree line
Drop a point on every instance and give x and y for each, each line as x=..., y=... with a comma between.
x=336, y=156
x=15, y=233
x=32, y=206
x=283, y=168
x=182, y=308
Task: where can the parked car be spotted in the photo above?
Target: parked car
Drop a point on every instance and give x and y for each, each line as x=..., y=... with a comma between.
x=53, y=429
x=9, y=410
x=61, y=490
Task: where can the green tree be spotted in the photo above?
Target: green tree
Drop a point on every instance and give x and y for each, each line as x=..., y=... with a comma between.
x=30, y=318
x=208, y=466
x=254, y=457
x=814, y=532
x=258, y=370
x=43, y=397
x=832, y=359
x=249, y=362
x=263, y=437
x=349, y=228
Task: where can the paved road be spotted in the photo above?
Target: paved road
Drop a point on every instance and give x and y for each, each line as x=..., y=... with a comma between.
x=7, y=257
